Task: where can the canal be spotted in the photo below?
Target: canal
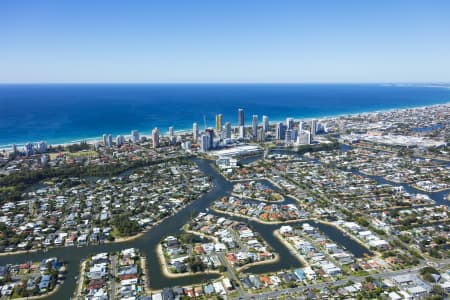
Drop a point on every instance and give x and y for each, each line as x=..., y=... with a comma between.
x=171, y=226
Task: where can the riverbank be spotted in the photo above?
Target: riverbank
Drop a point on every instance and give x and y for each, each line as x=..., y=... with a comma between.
x=273, y=260
x=256, y=219
x=42, y=296
x=257, y=199
x=80, y=281
x=165, y=268
x=291, y=248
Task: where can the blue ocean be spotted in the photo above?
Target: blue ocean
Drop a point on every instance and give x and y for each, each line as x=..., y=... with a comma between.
x=59, y=113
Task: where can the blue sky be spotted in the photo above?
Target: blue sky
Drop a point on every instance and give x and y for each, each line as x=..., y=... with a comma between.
x=224, y=41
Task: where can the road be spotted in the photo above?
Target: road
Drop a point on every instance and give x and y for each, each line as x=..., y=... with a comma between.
x=273, y=294
x=230, y=273
x=113, y=273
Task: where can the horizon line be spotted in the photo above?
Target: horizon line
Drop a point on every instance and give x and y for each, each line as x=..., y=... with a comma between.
x=225, y=82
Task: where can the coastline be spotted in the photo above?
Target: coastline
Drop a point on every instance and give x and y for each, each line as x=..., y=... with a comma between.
x=143, y=132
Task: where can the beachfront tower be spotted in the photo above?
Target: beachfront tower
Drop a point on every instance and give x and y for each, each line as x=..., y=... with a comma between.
x=195, y=132
x=254, y=126
x=105, y=139
x=134, y=136
x=171, y=131
x=219, y=122
x=227, y=130
x=42, y=147
x=313, y=129
x=241, y=132
x=240, y=117
x=210, y=133
x=155, y=137
x=290, y=123
x=265, y=120
x=204, y=142
x=281, y=131
x=120, y=140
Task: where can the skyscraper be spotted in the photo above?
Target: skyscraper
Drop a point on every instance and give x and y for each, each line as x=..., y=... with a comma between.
x=210, y=133
x=289, y=123
x=29, y=149
x=42, y=147
x=304, y=138
x=219, y=122
x=134, y=136
x=195, y=132
x=265, y=120
x=313, y=129
x=241, y=132
x=254, y=126
x=105, y=139
x=155, y=137
x=204, y=142
x=227, y=130
x=110, y=140
x=281, y=131
x=171, y=131
x=241, y=117
x=120, y=140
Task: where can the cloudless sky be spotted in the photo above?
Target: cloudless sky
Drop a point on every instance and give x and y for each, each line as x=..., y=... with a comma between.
x=224, y=41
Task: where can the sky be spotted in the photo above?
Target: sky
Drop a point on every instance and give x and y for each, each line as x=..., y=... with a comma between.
x=239, y=41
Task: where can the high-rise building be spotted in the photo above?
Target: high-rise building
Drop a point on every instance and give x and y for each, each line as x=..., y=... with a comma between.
x=210, y=133
x=110, y=140
x=303, y=138
x=120, y=140
x=265, y=120
x=14, y=148
x=241, y=132
x=281, y=131
x=205, y=142
x=313, y=129
x=241, y=117
x=261, y=135
x=155, y=137
x=254, y=126
x=227, y=134
x=134, y=136
x=289, y=123
x=42, y=147
x=195, y=132
x=105, y=140
x=300, y=126
x=219, y=122
x=171, y=131
x=29, y=149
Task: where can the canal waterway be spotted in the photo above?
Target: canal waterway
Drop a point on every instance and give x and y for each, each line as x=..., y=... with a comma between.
x=171, y=226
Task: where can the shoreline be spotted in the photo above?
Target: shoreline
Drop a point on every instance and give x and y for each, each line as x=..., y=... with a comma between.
x=273, y=260
x=291, y=248
x=79, y=287
x=118, y=240
x=95, y=139
x=42, y=296
x=165, y=270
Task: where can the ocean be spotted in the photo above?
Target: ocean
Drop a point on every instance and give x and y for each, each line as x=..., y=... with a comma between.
x=62, y=113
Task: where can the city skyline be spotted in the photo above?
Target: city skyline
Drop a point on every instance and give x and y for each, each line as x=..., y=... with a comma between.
x=232, y=42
